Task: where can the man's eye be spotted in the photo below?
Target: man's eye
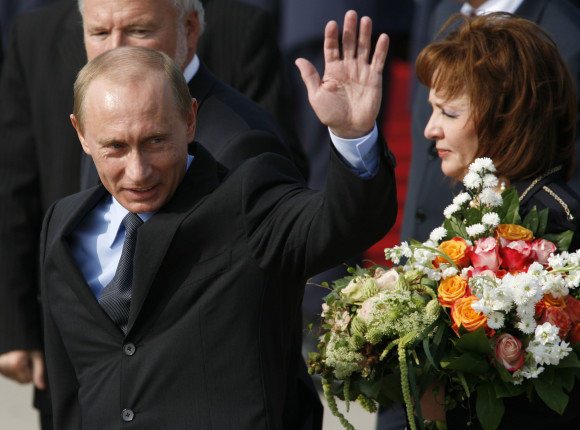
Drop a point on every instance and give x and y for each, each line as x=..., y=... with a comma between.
x=139, y=32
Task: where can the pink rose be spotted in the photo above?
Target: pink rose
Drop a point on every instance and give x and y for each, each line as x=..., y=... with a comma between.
x=541, y=250
x=559, y=318
x=386, y=279
x=508, y=351
x=573, y=309
x=485, y=253
x=516, y=255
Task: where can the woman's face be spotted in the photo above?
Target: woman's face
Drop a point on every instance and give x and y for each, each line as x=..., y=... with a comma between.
x=453, y=130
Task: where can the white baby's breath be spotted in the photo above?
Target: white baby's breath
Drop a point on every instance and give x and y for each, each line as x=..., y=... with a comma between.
x=475, y=230
x=438, y=234
x=472, y=180
x=490, y=219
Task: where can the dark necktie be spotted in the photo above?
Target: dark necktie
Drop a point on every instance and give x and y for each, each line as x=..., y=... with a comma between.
x=116, y=297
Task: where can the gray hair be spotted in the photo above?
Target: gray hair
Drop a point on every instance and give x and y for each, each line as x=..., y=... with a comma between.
x=182, y=6
x=128, y=64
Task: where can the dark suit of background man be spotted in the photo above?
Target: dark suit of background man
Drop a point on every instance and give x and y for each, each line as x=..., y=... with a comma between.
x=40, y=158
x=221, y=259
x=428, y=190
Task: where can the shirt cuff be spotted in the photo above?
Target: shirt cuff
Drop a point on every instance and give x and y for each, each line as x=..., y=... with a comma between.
x=360, y=155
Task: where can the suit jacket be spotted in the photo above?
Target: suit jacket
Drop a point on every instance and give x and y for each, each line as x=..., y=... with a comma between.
x=41, y=159
x=218, y=279
x=40, y=156
x=429, y=191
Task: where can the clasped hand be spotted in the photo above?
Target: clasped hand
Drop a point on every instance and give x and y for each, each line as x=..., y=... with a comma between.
x=348, y=97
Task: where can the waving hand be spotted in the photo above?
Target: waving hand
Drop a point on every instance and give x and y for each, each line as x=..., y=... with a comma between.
x=348, y=97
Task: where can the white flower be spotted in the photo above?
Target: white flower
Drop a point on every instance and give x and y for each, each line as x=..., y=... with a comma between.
x=490, y=197
x=450, y=210
x=490, y=181
x=482, y=164
x=547, y=333
x=490, y=219
x=475, y=229
x=438, y=234
x=527, y=325
x=461, y=198
x=449, y=272
x=495, y=320
x=472, y=180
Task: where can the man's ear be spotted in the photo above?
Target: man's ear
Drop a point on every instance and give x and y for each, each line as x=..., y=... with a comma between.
x=191, y=26
x=192, y=120
x=75, y=124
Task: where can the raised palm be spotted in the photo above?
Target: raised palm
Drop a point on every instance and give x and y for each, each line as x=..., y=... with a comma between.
x=348, y=97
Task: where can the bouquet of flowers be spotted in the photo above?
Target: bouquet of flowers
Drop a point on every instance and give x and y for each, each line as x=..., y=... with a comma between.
x=485, y=306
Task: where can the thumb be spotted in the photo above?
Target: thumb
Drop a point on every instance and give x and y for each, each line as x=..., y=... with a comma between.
x=38, y=372
x=309, y=75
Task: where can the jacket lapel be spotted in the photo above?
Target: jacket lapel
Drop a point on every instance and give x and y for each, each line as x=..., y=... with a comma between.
x=156, y=235
x=78, y=207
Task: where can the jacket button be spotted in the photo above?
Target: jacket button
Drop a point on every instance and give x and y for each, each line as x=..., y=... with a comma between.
x=127, y=415
x=129, y=349
x=420, y=216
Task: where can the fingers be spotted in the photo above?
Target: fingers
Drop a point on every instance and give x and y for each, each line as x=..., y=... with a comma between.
x=331, y=48
x=364, y=39
x=38, y=378
x=349, y=43
x=380, y=54
x=309, y=75
x=16, y=365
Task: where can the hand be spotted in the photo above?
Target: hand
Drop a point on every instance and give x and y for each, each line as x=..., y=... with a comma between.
x=348, y=97
x=24, y=367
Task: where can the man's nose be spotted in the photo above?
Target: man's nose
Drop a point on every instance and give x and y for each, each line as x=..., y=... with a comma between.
x=116, y=39
x=137, y=168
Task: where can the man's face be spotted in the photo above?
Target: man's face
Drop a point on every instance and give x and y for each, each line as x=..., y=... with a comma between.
x=153, y=24
x=137, y=139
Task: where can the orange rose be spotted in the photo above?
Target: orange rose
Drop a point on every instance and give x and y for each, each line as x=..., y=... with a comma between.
x=463, y=314
x=451, y=289
x=455, y=250
x=552, y=302
x=514, y=232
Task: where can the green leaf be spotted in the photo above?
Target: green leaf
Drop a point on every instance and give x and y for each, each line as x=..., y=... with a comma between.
x=475, y=341
x=511, y=207
x=507, y=389
x=532, y=220
x=552, y=394
x=489, y=407
x=542, y=222
x=571, y=360
x=468, y=363
x=561, y=240
x=455, y=228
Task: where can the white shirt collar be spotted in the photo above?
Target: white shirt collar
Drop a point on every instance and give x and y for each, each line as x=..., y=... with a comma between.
x=191, y=68
x=492, y=6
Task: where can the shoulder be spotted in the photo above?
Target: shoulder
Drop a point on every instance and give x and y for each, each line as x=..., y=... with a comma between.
x=561, y=201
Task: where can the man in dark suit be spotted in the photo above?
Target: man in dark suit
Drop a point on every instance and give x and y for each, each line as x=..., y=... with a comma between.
x=40, y=159
x=221, y=258
x=429, y=192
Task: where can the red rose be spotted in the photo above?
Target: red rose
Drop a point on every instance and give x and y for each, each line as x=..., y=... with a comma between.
x=559, y=318
x=574, y=336
x=485, y=253
x=573, y=309
x=516, y=255
x=541, y=250
x=508, y=351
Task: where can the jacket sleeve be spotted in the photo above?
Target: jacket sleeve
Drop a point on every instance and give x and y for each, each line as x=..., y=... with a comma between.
x=20, y=211
x=302, y=232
